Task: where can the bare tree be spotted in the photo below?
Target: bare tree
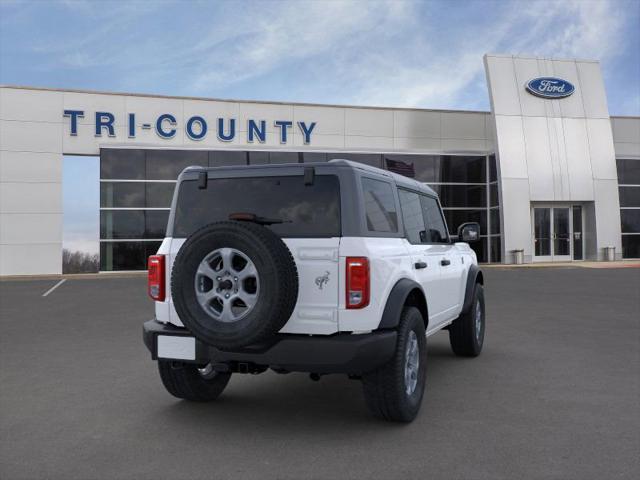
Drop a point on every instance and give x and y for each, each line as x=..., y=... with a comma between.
x=79, y=262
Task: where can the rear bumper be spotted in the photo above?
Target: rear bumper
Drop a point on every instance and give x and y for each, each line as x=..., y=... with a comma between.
x=341, y=353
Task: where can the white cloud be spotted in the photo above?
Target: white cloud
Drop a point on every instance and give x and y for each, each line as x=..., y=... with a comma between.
x=276, y=37
x=561, y=29
x=386, y=52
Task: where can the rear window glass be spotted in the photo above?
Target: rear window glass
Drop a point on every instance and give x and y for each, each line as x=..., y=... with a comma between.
x=306, y=210
x=380, y=206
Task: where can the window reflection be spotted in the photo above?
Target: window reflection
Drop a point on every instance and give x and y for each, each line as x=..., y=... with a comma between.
x=451, y=176
x=167, y=164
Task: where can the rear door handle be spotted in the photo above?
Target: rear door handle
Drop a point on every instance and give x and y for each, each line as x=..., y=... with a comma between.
x=445, y=262
x=419, y=265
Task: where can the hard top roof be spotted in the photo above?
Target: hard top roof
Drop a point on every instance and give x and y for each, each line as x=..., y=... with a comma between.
x=400, y=180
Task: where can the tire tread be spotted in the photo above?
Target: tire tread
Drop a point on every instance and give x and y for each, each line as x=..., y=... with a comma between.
x=185, y=382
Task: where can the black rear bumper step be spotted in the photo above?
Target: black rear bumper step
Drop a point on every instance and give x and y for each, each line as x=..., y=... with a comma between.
x=339, y=353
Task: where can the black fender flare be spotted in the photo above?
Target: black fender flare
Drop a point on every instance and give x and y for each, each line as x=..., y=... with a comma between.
x=400, y=294
x=474, y=276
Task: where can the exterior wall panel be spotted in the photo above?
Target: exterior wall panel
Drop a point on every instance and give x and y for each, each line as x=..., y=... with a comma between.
x=578, y=160
x=626, y=135
x=29, y=166
x=538, y=158
x=578, y=138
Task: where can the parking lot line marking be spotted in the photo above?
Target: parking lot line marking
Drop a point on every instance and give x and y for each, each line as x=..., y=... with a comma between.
x=54, y=287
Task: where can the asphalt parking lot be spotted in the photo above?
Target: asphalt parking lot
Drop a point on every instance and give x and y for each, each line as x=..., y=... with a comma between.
x=555, y=394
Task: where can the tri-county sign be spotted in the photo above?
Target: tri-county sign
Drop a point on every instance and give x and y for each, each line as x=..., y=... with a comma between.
x=196, y=127
x=550, y=87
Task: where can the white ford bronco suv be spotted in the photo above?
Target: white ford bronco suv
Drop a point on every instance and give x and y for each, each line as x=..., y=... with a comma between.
x=332, y=267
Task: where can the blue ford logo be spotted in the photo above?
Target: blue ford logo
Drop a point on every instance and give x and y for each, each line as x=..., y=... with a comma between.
x=550, y=87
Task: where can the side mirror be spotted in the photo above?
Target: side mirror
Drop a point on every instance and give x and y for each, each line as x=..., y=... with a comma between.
x=469, y=232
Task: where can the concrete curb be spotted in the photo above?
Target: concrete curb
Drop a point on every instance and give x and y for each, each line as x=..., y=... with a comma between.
x=74, y=276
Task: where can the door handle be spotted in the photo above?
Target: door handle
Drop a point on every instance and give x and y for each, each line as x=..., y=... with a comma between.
x=419, y=265
x=445, y=262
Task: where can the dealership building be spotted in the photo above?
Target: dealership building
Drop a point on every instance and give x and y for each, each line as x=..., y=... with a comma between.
x=548, y=173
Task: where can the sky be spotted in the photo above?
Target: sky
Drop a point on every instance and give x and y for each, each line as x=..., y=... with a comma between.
x=81, y=204
x=380, y=53
x=389, y=53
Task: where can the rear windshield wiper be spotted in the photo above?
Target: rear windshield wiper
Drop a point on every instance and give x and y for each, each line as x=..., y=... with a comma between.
x=252, y=217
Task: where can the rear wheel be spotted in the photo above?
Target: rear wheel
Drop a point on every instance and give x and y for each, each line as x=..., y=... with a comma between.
x=466, y=333
x=394, y=391
x=190, y=382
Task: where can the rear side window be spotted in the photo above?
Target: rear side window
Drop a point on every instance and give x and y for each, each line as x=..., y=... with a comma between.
x=306, y=210
x=412, y=216
x=436, y=228
x=380, y=206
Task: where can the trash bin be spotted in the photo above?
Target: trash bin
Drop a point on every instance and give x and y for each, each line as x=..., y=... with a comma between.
x=518, y=257
x=610, y=253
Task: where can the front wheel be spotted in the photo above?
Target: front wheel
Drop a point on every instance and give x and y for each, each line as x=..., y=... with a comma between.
x=394, y=391
x=187, y=381
x=466, y=333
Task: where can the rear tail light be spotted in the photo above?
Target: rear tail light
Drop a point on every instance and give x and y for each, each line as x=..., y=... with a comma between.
x=155, y=283
x=357, y=282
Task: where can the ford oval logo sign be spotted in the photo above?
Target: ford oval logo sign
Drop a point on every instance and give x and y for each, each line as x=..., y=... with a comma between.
x=550, y=87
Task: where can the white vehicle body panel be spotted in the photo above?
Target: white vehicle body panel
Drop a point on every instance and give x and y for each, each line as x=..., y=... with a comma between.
x=321, y=262
x=389, y=261
x=316, y=310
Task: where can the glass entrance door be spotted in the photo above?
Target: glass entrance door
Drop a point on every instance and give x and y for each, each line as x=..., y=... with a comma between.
x=557, y=233
x=542, y=233
x=561, y=234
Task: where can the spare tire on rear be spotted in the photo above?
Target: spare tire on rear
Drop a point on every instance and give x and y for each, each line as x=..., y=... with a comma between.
x=234, y=284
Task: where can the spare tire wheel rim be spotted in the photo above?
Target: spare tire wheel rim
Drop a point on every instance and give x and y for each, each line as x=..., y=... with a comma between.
x=227, y=284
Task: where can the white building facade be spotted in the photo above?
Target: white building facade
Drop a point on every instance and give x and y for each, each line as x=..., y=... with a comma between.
x=547, y=172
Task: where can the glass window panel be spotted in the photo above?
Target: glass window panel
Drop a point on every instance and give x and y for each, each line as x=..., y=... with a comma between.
x=455, y=218
x=496, y=252
x=462, y=169
x=495, y=220
x=630, y=221
x=159, y=195
x=631, y=246
x=373, y=159
x=123, y=256
x=629, y=196
x=156, y=223
x=122, y=164
x=421, y=167
x=578, y=239
x=284, y=157
x=258, y=158
x=221, y=158
x=167, y=164
x=380, y=206
x=628, y=171
x=308, y=210
x=436, y=228
x=480, y=247
x=308, y=157
x=493, y=169
x=494, y=199
x=412, y=216
x=122, y=195
x=122, y=224
x=472, y=196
